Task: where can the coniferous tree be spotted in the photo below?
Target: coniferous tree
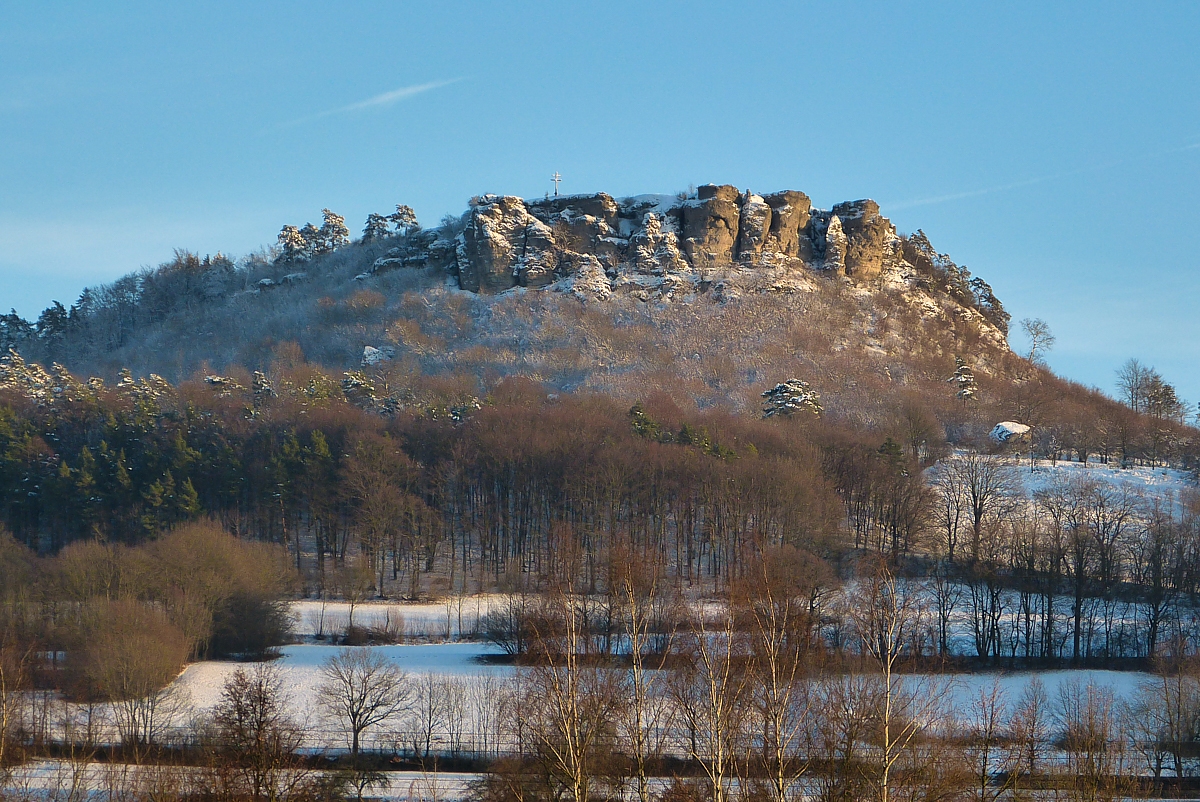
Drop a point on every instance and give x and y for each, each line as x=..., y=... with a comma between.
x=333, y=232
x=314, y=240
x=377, y=228
x=292, y=245
x=404, y=219
x=963, y=380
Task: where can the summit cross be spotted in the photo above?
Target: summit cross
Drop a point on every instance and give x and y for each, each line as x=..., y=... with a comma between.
x=556, y=178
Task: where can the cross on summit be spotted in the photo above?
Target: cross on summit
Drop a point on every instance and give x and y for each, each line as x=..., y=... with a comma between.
x=556, y=178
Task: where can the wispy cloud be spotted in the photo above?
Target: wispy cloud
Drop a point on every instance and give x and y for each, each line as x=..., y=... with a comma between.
x=378, y=101
x=974, y=193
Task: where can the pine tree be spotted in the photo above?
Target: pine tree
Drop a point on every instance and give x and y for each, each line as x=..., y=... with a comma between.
x=292, y=245
x=334, y=233
x=314, y=241
x=791, y=396
x=405, y=219
x=14, y=330
x=187, y=501
x=377, y=228
x=989, y=305
x=963, y=379
x=52, y=323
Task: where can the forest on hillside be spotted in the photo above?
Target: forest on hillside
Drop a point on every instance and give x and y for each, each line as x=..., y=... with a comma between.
x=434, y=486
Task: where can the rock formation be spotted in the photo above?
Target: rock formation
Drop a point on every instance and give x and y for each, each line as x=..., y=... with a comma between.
x=718, y=239
x=510, y=242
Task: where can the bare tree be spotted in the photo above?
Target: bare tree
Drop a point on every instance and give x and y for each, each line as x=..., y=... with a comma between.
x=643, y=718
x=14, y=675
x=356, y=582
x=432, y=713
x=947, y=592
x=1041, y=340
x=486, y=696
x=570, y=702
x=1164, y=717
x=361, y=688
x=842, y=702
x=1134, y=380
x=992, y=753
x=949, y=509
x=988, y=487
x=1030, y=725
x=709, y=694
x=779, y=600
x=887, y=616
x=256, y=740
x=1092, y=739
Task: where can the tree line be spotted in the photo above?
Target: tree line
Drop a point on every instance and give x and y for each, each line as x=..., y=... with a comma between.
x=740, y=701
x=429, y=485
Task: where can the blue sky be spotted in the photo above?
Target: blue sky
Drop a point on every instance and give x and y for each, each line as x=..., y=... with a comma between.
x=1052, y=148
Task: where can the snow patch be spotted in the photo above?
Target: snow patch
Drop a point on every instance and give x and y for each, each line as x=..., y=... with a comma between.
x=1008, y=430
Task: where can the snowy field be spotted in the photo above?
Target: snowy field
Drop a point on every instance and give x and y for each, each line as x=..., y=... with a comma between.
x=1150, y=482
x=301, y=667
x=962, y=690
x=456, y=617
x=1040, y=474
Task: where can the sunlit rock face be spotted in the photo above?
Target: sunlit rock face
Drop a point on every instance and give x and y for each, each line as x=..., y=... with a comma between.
x=658, y=245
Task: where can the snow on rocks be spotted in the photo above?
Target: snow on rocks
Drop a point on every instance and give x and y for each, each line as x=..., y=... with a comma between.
x=587, y=281
x=836, y=245
x=1009, y=431
x=372, y=356
x=674, y=248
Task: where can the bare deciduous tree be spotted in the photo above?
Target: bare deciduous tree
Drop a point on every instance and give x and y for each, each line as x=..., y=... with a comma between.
x=887, y=615
x=643, y=717
x=255, y=738
x=1092, y=740
x=709, y=693
x=780, y=599
x=992, y=753
x=1041, y=340
x=14, y=674
x=570, y=702
x=361, y=688
x=1030, y=725
x=988, y=487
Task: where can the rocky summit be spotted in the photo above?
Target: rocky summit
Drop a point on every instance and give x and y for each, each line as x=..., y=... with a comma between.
x=655, y=245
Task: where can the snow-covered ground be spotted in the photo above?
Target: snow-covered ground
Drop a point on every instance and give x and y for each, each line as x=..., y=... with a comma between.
x=48, y=780
x=301, y=668
x=456, y=617
x=965, y=689
x=1149, y=481
x=1040, y=474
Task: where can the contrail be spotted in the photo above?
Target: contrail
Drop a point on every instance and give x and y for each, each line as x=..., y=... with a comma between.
x=1037, y=180
x=384, y=99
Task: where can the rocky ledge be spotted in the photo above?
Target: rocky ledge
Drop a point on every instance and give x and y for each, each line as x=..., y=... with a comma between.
x=717, y=240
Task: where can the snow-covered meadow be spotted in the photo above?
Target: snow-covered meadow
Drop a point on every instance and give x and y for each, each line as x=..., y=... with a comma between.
x=1151, y=482
x=455, y=618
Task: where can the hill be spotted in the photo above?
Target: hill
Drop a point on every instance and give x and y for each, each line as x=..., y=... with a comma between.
x=721, y=292
x=712, y=296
